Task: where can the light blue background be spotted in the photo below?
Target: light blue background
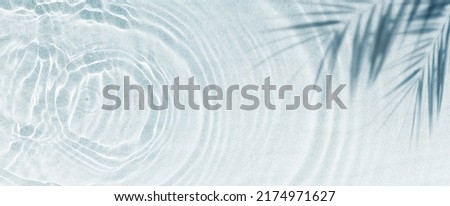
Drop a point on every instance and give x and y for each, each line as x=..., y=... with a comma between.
x=55, y=58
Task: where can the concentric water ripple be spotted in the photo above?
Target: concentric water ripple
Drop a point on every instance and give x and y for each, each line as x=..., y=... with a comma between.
x=63, y=111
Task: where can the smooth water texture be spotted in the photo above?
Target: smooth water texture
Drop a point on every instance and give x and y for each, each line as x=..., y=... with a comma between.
x=56, y=56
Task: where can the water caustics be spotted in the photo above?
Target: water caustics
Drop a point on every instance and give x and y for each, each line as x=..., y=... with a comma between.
x=56, y=57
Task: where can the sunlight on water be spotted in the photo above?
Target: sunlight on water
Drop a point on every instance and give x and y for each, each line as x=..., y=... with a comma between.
x=56, y=57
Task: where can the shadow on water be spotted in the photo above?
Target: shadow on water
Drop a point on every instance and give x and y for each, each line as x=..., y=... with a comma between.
x=375, y=32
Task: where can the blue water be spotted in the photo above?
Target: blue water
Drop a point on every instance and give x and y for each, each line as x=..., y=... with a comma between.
x=56, y=56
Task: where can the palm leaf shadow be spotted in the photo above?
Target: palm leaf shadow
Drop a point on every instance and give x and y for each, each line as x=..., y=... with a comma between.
x=373, y=38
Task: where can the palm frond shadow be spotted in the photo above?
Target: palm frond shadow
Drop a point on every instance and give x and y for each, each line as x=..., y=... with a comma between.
x=421, y=30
